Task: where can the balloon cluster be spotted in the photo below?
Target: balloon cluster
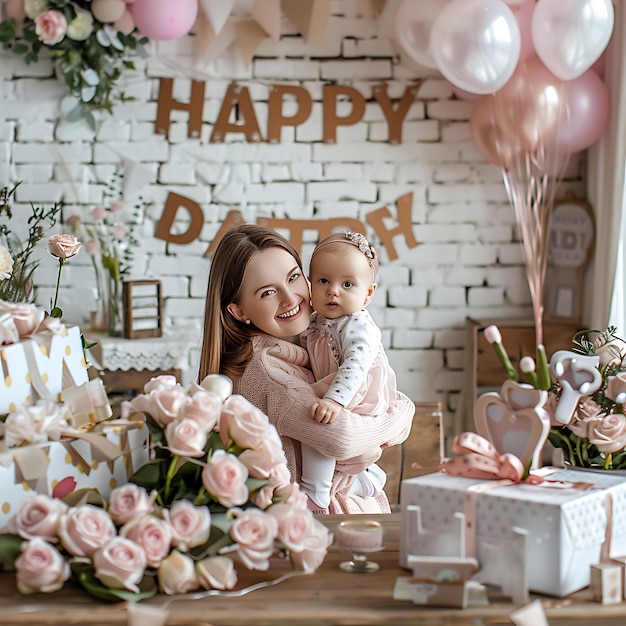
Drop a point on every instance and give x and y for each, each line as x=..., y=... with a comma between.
x=156, y=19
x=528, y=64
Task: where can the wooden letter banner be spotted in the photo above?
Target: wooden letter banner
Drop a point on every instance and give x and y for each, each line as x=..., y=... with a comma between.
x=296, y=228
x=237, y=114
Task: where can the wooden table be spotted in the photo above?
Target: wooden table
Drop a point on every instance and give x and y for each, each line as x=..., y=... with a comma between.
x=328, y=596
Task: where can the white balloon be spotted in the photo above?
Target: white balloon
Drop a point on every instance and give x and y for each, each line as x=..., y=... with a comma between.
x=413, y=24
x=476, y=44
x=570, y=35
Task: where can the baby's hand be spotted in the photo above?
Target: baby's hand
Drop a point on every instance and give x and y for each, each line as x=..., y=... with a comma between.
x=325, y=411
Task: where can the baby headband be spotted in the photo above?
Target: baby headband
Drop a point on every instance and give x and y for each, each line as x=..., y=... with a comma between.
x=358, y=241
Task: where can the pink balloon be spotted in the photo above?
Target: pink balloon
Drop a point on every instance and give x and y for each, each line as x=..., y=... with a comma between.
x=164, y=19
x=531, y=105
x=476, y=44
x=570, y=35
x=490, y=139
x=587, y=110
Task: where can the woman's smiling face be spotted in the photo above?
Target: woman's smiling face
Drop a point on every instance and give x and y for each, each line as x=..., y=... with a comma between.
x=274, y=295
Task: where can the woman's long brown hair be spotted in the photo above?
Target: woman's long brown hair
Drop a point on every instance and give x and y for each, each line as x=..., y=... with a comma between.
x=226, y=343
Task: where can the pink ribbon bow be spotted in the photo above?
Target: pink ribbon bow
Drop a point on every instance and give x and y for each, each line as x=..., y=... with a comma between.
x=480, y=459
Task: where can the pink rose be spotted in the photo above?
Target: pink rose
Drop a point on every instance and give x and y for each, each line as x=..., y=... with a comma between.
x=98, y=213
x=186, y=437
x=315, y=547
x=294, y=525
x=50, y=27
x=177, y=574
x=218, y=384
x=84, y=529
x=612, y=353
x=38, y=516
x=120, y=564
x=586, y=415
x=224, y=477
x=40, y=568
x=246, y=425
x=129, y=502
x=292, y=495
x=191, y=525
x=261, y=460
x=216, y=572
x=27, y=317
x=254, y=532
x=153, y=534
x=164, y=405
x=93, y=247
x=306, y=538
x=616, y=388
x=160, y=382
x=119, y=232
x=204, y=407
x=609, y=434
x=63, y=246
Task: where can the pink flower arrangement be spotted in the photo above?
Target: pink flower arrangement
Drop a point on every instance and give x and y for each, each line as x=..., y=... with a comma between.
x=216, y=497
x=591, y=381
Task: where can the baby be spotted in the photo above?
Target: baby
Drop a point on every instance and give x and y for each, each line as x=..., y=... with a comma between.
x=346, y=353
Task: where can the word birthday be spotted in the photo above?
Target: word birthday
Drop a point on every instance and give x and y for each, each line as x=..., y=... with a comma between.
x=237, y=105
x=376, y=219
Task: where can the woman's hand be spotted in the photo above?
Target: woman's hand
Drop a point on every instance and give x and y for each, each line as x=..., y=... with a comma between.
x=325, y=410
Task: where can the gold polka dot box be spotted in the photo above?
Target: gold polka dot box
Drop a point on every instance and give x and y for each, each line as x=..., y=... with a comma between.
x=56, y=436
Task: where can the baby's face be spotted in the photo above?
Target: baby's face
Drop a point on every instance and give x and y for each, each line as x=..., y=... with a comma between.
x=341, y=281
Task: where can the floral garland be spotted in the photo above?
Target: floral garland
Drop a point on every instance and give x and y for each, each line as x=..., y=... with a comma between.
x=90, y=54
x=216, y=496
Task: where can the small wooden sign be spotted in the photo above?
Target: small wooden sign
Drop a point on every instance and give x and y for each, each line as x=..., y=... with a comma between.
x=143, y=309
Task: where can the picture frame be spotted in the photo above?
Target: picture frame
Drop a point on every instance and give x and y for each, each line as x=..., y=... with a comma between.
x=143, y=309
x=571, y=235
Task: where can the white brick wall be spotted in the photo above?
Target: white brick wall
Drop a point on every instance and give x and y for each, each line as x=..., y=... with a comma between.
x=468, y=261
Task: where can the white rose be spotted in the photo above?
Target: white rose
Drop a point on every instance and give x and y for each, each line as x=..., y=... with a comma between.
x=6, y=263
x=33, y=8
x=81, y=26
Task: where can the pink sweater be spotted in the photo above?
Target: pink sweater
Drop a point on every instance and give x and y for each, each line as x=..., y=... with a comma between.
x=278, y=381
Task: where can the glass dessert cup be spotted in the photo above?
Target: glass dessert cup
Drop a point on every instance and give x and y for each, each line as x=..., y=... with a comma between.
x=359, y=539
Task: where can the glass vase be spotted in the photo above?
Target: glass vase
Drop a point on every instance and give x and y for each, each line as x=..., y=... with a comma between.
x=116, y=309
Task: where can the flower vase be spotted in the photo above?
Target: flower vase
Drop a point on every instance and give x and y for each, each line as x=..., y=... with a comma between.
x=115, y=312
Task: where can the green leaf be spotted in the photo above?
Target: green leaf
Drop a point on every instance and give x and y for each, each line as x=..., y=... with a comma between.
x=151, y=475
x=56, y=313
x=10, y=549
x=85, y=576
x=256, y=483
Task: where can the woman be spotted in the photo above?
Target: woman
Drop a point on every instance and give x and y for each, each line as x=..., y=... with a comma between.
x=257, y=305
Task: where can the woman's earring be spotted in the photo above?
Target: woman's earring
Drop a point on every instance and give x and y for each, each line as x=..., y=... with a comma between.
x=247, y=321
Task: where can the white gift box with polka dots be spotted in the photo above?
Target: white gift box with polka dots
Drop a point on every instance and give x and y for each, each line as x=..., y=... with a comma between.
x=564, y=527
x=72, y=465
x=41, y=366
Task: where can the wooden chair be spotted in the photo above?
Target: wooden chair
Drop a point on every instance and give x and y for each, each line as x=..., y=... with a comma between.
x=424, y=445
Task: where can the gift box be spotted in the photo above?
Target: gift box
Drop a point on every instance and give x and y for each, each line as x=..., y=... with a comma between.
x=41, y=366
x=95, y=460
x=564, y=524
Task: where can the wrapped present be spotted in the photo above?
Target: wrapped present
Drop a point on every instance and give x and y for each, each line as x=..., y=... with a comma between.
x=101, y=459
x=564, y=524
x=41, y=366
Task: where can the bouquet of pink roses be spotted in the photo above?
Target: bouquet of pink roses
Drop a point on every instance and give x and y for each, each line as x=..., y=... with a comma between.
x=216, y=496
